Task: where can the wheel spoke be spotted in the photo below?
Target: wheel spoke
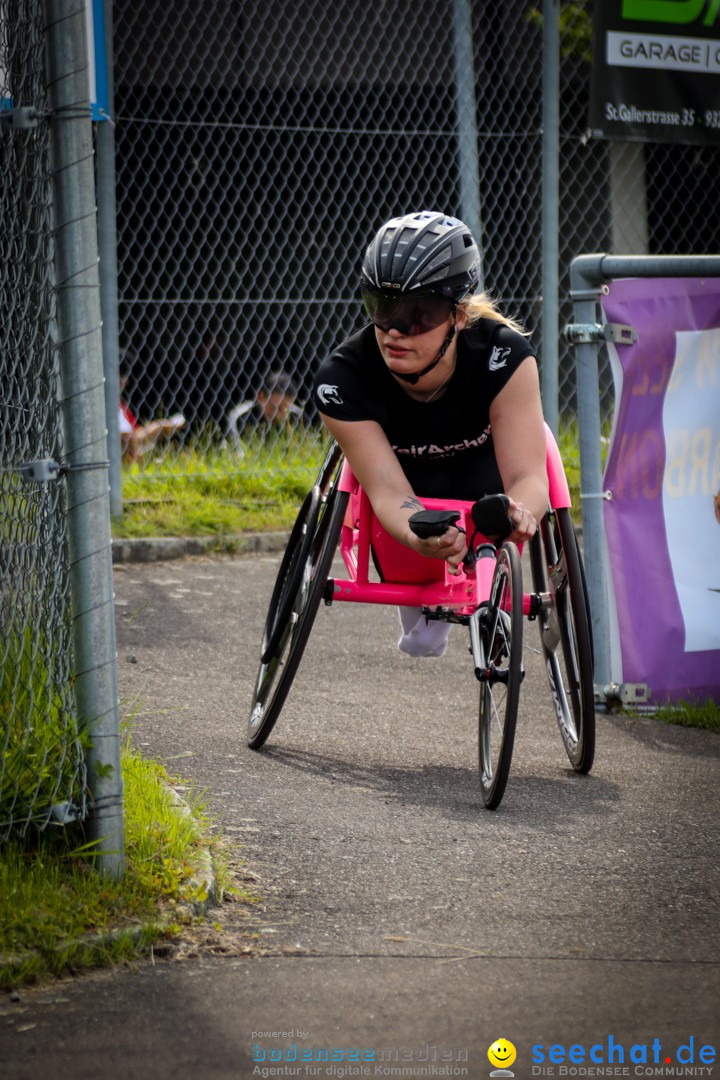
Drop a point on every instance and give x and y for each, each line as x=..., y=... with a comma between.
x=497, y=720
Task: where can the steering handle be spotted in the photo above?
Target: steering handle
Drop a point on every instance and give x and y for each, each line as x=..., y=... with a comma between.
x=490, y=516
x=426, y=523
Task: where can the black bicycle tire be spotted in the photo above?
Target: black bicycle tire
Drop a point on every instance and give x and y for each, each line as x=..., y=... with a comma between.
x=297, y=633
x=289, y=575
x=284, y=592
x=556, y=545
x=493, y=781
x=581, y=619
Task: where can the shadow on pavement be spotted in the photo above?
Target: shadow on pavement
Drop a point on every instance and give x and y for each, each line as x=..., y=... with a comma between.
x=456, y=790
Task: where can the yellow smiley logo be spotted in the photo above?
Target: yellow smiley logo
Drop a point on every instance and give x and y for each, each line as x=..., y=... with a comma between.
x=502, y=1053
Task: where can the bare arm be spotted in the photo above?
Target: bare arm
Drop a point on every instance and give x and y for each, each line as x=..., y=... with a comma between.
x=520, y=449
x=371, y=458
x=143, y=438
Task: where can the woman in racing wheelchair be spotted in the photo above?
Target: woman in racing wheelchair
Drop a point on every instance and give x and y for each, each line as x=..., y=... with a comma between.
x=438, y=396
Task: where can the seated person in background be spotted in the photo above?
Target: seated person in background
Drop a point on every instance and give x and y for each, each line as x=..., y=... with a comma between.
x=273, y=406
x=136, y=439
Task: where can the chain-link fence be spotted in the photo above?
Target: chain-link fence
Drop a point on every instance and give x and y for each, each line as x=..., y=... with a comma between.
x=260, y=145
x=42, y=767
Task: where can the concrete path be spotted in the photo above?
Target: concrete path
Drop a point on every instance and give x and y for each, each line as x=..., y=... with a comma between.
x=399, y=922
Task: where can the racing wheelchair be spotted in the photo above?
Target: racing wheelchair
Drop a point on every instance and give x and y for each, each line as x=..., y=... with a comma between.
x=486, y=596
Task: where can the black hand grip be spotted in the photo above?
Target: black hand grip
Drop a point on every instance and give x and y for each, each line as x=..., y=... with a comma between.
x=490, y=516
x=427, y=523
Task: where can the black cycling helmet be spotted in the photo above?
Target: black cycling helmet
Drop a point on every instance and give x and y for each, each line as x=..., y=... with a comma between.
x=428, y=251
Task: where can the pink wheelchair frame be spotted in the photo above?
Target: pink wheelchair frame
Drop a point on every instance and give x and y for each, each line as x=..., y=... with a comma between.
x=486, y=595
x=411, y=579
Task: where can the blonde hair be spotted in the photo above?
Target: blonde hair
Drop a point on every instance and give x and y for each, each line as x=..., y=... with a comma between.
x=481, y=306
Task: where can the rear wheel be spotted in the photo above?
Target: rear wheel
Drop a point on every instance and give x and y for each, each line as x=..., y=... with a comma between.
x=564, y=622
x=296, y=597
x=501, y=629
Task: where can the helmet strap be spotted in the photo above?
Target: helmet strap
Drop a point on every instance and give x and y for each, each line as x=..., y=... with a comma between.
x=417, y=375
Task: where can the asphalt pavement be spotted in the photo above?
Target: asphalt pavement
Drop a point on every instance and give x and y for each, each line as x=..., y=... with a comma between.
x=400, y=928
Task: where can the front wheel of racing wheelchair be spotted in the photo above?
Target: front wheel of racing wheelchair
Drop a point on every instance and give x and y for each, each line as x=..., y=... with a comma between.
x=501, y=632
x=496, y=633
x=296, y=596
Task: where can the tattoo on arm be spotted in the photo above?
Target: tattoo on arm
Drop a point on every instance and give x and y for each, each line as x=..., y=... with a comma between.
x=411, y=503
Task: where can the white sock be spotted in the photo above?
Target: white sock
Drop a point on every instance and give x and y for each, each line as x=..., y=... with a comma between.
x=422, y=637
x=409, y=616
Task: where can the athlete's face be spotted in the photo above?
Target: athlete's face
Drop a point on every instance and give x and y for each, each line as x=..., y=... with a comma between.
x=405, y=355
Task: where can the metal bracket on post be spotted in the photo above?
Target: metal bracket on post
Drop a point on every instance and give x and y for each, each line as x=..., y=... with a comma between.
x=597, y=333
x=42, y=471
x=45, y=469
x=621, y=694
x=22, y=117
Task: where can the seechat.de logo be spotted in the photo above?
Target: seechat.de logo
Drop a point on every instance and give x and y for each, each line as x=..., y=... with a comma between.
x=614, y=1053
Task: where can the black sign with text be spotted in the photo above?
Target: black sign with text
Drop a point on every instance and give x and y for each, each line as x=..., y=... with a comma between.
x=656, y=71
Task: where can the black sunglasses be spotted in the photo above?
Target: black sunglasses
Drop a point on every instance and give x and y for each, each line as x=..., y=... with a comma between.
x=409, y=315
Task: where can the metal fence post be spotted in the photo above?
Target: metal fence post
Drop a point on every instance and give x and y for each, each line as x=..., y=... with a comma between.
x=550, y=210
x=85, y=446
x=107, y=248
x=585, y=291
x=466, y=119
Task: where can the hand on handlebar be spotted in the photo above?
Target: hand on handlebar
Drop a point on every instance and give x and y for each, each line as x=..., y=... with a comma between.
x=524, y=522
x=438, y=537
x=451, y=546
x=501, y=518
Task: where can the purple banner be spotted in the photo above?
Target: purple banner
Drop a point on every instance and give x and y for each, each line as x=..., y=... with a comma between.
x=663, y=469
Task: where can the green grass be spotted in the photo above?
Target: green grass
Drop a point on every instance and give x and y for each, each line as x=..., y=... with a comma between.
x=41, y=747
x=215, y=493
x=58, y=914
x=704, y=715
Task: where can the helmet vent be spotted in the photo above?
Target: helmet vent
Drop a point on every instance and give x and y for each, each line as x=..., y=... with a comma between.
x=441, y=260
